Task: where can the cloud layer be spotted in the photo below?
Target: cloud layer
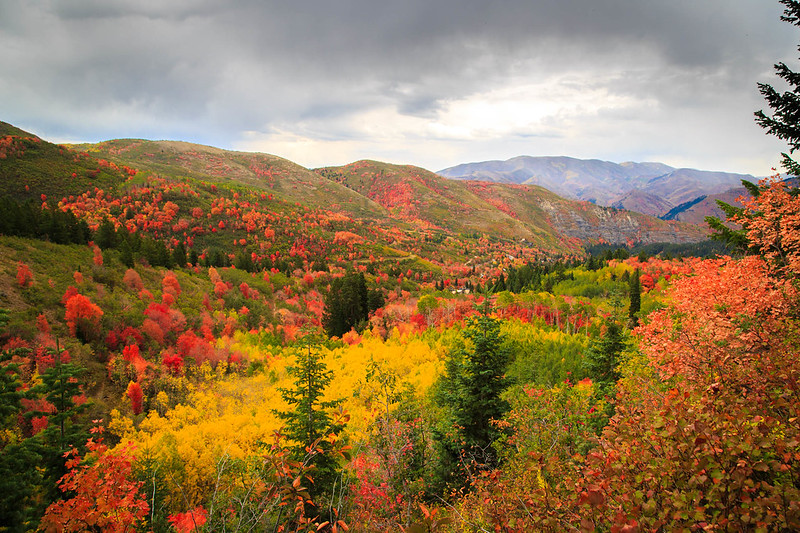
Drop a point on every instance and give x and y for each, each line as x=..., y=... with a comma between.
x=431, y=83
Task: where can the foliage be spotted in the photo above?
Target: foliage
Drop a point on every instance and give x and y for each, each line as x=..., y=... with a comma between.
x=102, y=494
x=635, y=295
x=309, y=423
x=471, y=389
x=786, y=110
x=349, y=304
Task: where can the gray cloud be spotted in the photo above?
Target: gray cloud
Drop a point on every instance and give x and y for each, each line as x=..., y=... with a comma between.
x=209, y=71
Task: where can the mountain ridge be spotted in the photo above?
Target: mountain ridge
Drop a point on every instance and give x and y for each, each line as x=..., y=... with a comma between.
x=604, y=182
x=369, y=194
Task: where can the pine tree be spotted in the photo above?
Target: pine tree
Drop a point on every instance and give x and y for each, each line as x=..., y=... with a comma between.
x=635, y=294
x=602, y=357
x=20, y=478
x=471, y=388
x=347, y=305
x=244, y=262
x=309, y=421
x=106, y=236
x=785, y=120
x=179, y=256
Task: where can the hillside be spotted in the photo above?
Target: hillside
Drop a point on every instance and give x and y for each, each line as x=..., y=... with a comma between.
x=281, y=177
x=511, y=211
x=657, y=187
x=31, y=168
x=583, y=222
x=642, y=202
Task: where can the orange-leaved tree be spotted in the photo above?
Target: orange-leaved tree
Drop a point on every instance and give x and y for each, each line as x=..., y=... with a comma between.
x=104, y=497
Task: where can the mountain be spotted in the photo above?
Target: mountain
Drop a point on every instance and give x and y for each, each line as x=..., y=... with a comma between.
x=128, y=181
x=281, y=177
x=642, y=202
x=657, y=187
x=513, y=211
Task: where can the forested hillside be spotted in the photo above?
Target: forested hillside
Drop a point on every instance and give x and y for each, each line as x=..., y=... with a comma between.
x=212, y=341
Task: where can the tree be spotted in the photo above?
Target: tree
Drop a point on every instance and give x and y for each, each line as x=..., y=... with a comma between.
x=244, y=262
x=83, y=317
x=348, y=304
x=103, y=496
x=106, y=236
x=179, y=255
x=20, y=478
x=309, y=423
x=471, y=388
x=635, y=294
x=603, y=356
x=784, y=123
x=785, y=120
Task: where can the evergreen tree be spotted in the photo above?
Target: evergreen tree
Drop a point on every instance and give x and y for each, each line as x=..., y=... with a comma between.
x=635, y=294
x=19, y=457
x=785, y=120
x=471, y=389
x=309, y=421
x=179, y=255
x=126, y=253
x=500, y=284
x=244, y=261
x=602, y=362
x=155, y=253
x=347, y=305
x=602, y=356
x=106, y=235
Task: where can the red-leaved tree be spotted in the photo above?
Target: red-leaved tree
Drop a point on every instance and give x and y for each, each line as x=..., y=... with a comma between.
x=103, y=494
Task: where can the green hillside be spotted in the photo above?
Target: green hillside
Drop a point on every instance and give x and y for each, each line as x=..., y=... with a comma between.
x=31, y=167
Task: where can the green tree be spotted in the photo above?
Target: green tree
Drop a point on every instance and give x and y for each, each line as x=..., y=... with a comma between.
x=60, y=385
x=106, y=236
x=471, y=389
x=244, y=262
x=602, y=357
x=179, y=256
x=20, y=478
x=347, y=305
x=310, y=420
x=635, y=294
x=126, y=253
x=785, y=120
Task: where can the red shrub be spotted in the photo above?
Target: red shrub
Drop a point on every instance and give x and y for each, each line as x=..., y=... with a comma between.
x=134, y=392
x=24, y=275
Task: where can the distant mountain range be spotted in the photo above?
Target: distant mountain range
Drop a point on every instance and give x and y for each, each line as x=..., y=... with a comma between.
x=650, y=188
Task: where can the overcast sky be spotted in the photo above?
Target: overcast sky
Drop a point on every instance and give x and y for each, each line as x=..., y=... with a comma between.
x=432, y=83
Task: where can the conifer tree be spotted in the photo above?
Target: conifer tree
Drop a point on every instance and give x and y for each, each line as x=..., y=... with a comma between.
x=106, y=236
x=179, y=256
x=602, y=357
x=348, y=304
x=309, y=421
x=784, y=123
x=471, y=388
x=635, y=294
x=785, y=120
x=19, y=457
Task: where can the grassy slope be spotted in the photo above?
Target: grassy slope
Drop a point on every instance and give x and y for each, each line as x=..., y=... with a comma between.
x=281, y=177
x=30, y=167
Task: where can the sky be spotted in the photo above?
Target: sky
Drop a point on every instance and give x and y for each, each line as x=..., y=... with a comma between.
x=432, y=83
